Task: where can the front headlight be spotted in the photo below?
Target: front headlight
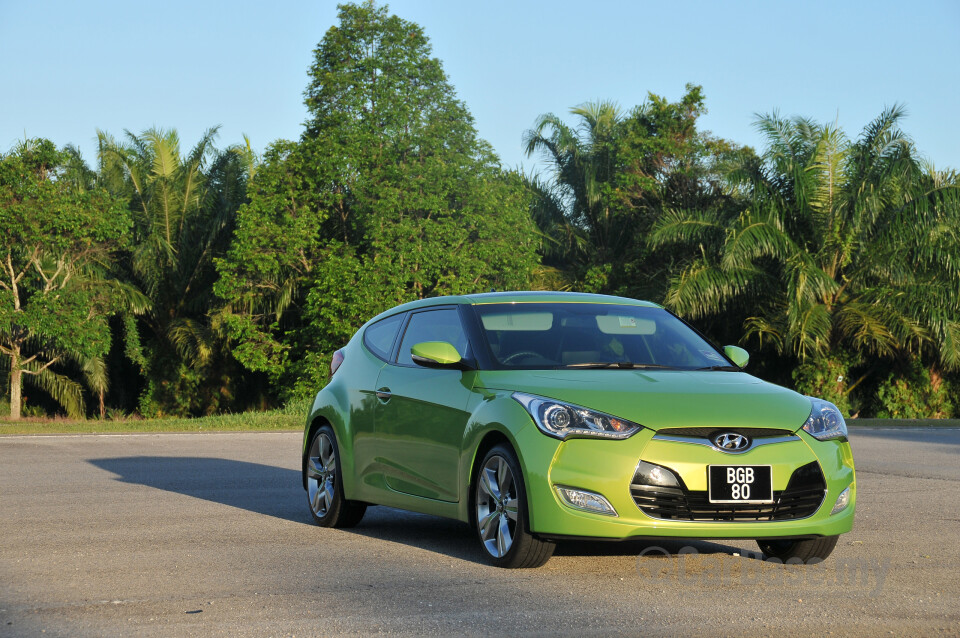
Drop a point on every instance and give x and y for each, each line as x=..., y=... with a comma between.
x=825, y=421
x=563, y=420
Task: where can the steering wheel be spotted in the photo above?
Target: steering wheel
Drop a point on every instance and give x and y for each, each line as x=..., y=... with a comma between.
x=522, y=353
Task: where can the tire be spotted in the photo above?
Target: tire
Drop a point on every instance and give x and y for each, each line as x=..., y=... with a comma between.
x=500, y=513
x=325, y=484
x=807, y=550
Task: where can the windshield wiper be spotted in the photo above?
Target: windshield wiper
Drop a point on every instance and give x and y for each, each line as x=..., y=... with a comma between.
x=628, y=365
x=722, y=368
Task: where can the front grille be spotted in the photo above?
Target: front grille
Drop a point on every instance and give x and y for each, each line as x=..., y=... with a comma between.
x=753, y=433
x=803, y=496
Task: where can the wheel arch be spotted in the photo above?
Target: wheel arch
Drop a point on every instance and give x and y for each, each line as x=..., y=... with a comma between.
x=498, y=420
x=326, y=412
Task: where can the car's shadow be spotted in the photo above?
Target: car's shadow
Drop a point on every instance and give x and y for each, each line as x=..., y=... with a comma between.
x=255, y=487
x=431, y=533
x=655, y=548
x=274, y=491
x=458, y=540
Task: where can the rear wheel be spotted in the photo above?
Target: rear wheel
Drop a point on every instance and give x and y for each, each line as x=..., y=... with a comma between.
x=325, y=484
x=501, y=520
x=813, y=549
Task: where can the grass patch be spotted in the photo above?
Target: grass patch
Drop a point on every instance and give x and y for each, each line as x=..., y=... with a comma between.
x=242, y=422
x=905, y=423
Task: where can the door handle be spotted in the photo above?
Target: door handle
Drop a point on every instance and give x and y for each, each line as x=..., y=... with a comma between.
x=384, y=394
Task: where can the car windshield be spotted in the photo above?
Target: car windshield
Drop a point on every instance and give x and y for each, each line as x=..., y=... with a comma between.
x=584, y=335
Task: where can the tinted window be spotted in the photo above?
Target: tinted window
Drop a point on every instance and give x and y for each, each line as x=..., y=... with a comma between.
x=433, y=325
x=537, y=335
x=379, y=336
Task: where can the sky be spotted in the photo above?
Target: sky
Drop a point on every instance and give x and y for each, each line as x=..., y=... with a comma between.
x=69, y=68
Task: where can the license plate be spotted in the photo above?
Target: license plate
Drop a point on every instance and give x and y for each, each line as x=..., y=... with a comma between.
x=740, y=484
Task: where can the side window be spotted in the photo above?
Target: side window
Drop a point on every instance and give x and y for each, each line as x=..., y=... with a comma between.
x=379, y=337
x=433, y=325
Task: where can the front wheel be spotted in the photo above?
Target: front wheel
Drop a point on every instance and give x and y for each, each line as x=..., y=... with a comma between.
x=501, y=520
x=806, y=550
x=325, y=484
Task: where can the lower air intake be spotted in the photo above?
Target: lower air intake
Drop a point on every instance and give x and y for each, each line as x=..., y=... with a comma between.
x=803, y=497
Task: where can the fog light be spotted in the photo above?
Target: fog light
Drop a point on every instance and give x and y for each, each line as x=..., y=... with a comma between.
x=586, y=501
x=650, y=474
x=842, y=501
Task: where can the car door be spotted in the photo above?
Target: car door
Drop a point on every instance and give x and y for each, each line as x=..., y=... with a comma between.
x=379, y=339
x=421, y=412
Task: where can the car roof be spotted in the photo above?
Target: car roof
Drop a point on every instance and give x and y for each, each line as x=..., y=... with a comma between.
x=554, y=297
x=526, y=296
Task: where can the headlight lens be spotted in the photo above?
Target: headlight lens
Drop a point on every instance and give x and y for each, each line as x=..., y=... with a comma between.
x=562, y=420
x=825, y=421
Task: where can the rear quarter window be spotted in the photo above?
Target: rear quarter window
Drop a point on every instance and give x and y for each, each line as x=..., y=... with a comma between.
x=379, y=337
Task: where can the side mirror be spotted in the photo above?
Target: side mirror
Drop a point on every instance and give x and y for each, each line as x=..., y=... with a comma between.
x=738, y=355
x=436, y=354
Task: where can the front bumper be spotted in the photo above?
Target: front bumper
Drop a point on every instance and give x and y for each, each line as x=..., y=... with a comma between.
x=607, y=468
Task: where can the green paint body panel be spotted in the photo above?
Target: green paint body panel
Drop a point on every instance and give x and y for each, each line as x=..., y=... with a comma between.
x=419, y=431
x=418, y=450
x=664, y=398
x=581, y=463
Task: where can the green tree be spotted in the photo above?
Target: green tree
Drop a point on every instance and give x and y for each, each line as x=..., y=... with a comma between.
x=184, y=208
x=388, y=196
x=845, y=250
x=582, y=223
x=58, y=238
x=611, y=177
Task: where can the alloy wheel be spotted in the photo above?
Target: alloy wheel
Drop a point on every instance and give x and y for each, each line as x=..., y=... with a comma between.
x=321, y=475
x=497, y=506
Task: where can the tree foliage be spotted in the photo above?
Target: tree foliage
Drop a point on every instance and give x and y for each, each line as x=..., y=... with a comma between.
x=389, y=196
x=184, y=208
x=840, y=245
x=913, y=392
x=58, y=238
x=612, y=176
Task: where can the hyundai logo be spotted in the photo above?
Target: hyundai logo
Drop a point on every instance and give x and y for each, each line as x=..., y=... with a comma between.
x=731, y=442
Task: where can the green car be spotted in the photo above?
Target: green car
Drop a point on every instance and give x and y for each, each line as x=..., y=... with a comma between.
x=541, y=416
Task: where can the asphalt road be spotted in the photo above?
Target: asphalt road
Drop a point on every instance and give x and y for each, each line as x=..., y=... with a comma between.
x=209, y=534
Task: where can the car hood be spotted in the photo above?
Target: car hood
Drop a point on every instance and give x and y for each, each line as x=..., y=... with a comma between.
x=663, y=398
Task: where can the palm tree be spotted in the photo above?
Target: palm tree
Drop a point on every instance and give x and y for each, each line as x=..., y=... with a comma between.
x=612, y=176
x=575, y=216
x=841, y=245
x=184, y=209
